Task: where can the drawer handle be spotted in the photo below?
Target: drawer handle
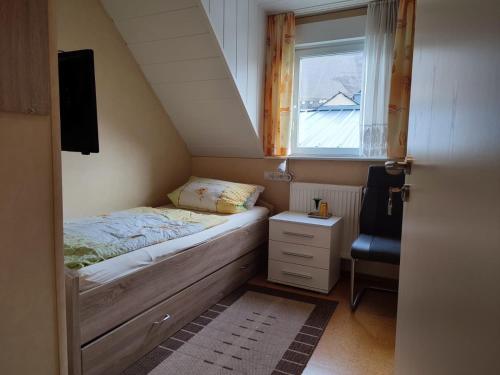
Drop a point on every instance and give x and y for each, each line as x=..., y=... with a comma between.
x=159, y=322
x=308, y=256
x=298, y=234
x=244, y=267
x=301, y=275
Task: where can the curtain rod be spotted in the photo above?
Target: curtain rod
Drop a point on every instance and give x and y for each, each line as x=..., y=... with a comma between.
x=345, y=13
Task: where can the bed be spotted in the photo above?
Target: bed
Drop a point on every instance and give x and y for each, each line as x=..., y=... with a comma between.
x=121, y=308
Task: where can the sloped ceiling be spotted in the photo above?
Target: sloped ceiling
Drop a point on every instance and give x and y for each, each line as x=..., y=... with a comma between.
x=204, y=60
x=176, y=48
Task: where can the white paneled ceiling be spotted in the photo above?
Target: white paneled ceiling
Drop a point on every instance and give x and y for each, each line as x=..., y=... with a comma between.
x=176, y=48
x=305, y=7
x=204, y=60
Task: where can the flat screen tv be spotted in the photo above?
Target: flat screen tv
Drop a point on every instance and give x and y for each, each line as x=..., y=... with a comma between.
x=77, y=100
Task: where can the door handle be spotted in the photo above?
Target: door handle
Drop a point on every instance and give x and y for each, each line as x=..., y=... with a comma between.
x=395, y=167
x=159, y=322
x=405, y=193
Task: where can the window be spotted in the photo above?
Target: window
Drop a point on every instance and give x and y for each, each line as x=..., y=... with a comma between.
x=327, y=98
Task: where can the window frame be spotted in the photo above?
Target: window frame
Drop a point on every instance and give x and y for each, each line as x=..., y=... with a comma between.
x=316, y=50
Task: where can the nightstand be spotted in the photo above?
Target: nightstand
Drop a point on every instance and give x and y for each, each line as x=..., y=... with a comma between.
x=304, y=252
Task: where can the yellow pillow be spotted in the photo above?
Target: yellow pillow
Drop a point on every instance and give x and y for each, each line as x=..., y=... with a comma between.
x=205, y=194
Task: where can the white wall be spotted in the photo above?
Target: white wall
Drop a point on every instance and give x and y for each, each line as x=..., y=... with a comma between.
x=240, y=27
x=28, y=325
x=142, y=157
x=336, y=29
x=308, y=7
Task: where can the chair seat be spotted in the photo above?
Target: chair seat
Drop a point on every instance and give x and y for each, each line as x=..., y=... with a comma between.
x=376, y=249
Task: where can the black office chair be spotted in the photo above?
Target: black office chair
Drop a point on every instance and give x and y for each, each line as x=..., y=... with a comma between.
x=380, y=225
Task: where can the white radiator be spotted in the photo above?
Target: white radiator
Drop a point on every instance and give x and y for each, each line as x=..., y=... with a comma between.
x=342, y=201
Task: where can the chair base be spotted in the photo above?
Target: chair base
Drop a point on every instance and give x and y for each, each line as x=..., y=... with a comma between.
x=355, y=297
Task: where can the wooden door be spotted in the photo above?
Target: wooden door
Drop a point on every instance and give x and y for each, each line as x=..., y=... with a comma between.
x=32, y=320
x=24, y=66
x=449, y=297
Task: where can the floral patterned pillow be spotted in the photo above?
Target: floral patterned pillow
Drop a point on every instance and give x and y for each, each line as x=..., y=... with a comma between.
x=205, y=194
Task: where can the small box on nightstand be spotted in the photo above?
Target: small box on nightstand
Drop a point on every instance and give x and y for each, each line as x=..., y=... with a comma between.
x=304, y=252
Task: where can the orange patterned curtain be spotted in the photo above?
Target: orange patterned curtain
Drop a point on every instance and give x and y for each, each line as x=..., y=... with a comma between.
x=280, y=56
x=399, y=102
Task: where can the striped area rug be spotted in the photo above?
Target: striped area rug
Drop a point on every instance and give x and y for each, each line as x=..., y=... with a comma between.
x=253, y=331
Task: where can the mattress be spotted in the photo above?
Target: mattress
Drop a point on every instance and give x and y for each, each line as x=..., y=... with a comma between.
x=108, y=270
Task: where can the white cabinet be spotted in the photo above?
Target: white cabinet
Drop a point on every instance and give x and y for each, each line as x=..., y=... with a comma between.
x=304, y=252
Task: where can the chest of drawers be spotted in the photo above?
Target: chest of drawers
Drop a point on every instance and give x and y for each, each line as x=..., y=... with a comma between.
x=304, y=252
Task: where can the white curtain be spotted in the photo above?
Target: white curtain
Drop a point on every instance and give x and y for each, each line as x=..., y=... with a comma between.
x=379, y=46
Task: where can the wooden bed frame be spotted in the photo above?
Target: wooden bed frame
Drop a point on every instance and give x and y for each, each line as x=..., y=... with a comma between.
x=114, y=324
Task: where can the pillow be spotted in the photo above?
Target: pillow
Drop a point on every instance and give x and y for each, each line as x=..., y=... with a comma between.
x=252, y=199
x=205, y=194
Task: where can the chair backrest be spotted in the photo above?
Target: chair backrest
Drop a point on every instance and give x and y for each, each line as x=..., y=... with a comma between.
x=374, y=219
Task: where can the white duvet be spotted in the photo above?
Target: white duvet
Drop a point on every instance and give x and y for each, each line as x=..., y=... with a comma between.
x=108, y=270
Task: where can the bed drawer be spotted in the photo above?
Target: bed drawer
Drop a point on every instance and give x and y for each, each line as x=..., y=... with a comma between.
x=301, y=276
x=118, y=349
x=299, y=254
x=299, y=234
x=105, y=307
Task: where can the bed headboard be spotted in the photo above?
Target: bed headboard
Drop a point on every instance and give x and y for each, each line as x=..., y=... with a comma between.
x=269, y=206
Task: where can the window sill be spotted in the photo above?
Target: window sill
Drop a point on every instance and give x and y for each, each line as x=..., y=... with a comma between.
x=331, y=158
